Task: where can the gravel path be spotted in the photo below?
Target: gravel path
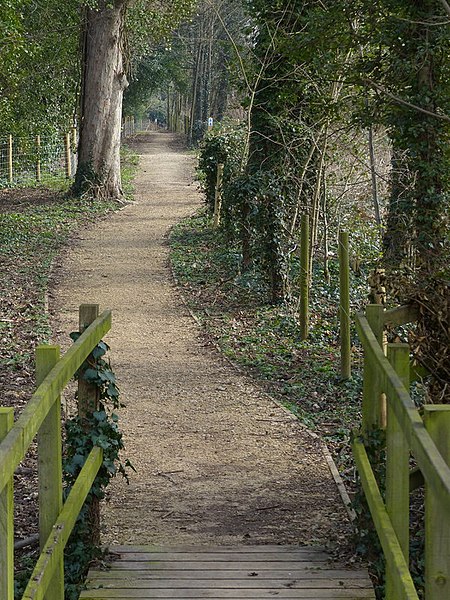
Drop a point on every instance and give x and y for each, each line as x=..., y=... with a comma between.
x=217, y=461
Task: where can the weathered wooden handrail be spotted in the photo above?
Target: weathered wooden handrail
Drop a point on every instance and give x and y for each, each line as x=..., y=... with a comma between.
x=406, y=432
x=401, y=315
x=41, y=416
x=433, y=467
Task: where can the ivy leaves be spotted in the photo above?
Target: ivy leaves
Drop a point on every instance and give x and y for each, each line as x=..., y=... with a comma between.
x=100, y=428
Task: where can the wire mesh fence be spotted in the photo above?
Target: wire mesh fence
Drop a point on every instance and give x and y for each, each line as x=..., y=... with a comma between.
x=26, y=160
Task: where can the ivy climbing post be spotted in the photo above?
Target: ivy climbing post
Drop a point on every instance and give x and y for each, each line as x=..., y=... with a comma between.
x=87, y=392
x=218, y=196
x=88, y=398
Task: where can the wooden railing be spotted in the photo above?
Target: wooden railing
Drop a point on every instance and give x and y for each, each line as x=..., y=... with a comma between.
x=42, y=416
x=387, y=403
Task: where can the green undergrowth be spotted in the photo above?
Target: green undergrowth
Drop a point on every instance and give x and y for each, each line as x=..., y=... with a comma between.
x=265, y=339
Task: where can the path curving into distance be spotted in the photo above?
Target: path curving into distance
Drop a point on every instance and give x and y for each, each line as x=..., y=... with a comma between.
x=218, y=463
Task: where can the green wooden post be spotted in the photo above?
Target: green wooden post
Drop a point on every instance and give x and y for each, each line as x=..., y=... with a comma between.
x=371, y=403
x=344, y=305
x=10, y=159
x=304, y=277
x=67, y=156
x=437, y=519
x=87, y=392
x=38, y=158
x=218, y=196
x=88, y=403
x=6, y=520
x=397, y=468
x=50, y=467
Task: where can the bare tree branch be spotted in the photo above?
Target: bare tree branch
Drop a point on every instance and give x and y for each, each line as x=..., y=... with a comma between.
x=383, y=90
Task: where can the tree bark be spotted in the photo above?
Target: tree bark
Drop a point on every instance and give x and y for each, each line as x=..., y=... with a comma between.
x=104, y=81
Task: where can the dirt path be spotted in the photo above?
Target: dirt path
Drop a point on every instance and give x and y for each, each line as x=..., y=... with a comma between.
x=217, y=462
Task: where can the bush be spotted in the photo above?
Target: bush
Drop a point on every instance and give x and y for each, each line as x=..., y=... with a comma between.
x=223, y=144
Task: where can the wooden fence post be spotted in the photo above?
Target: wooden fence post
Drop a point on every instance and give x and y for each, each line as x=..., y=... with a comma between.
x=38, y=158
x=218, y=196
x=88, y=403
x=6, y=520
x=397, y=468
x=87, y=392
x=50, y=467
x=10, y=158
x=344, y=305
x=68, y=162
x=371, y=403
x=437, y=519
x=304, y=277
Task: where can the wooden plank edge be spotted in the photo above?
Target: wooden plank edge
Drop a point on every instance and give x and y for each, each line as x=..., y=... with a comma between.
x=339, y=483
x=52, y=551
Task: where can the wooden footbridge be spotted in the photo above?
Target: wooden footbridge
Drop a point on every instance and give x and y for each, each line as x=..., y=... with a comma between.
x=225, y=572
x=246, y=571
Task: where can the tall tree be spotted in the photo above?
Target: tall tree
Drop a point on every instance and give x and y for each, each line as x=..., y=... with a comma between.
x=414, y=84
x=104, y=81
x=39, y=74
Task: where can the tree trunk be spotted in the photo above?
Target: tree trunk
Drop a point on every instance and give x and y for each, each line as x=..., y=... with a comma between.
x=104, y=82
x=373, y=173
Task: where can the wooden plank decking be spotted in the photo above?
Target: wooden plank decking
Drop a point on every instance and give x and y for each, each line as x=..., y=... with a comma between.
x=223, y=572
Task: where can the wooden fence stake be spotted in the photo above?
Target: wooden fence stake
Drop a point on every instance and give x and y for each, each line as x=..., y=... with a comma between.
x=304, y=277
x=344, y=305
x=38, y=158
x=218, y=196
x=6, y=520
x=371, y=403
x=437, y=519
x=50, y=467
x=10, y=159
x=68, y=161
x=88, y=403
x=87, y=392
x=397, y=468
